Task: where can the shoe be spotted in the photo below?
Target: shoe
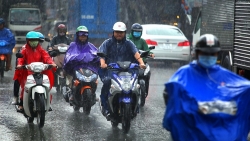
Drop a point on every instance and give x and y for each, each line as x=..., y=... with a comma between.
x=20, y=109
x=105, y=112
x=15, y=101
x=50, y=109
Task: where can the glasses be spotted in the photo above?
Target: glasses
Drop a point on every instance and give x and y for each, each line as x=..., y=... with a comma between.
x=83, y=33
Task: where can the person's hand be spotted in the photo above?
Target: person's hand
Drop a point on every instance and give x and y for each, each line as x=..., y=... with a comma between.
x=103, y=66
x=152, y=55
x=19, y=66
x=142, y=66
x=54, y=65
x=50, y=48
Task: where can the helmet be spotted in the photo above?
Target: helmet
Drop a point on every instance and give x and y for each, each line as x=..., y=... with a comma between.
x=82, y=28
x=136, y=27
x=208, y=43
x=32, y=35
x=61, y=28
x=119, y=26
x=2, y=21
x=40, y=35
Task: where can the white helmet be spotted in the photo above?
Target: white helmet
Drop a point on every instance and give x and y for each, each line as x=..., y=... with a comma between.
x=119, y=26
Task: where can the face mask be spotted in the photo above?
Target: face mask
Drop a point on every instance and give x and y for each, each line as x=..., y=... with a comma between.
x=136, y=34
x=61, y=33
x=33, y=44
x=207, y=61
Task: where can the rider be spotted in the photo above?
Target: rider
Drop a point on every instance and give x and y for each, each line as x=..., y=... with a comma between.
x=206, y=101
x=16, y=82
x=9, y=39
x=32, y=52
x=80, y=53
x=60, y=38
x=117, y=48
x=135, y=37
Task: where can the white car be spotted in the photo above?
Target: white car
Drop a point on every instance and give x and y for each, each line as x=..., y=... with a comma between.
x=169, y=41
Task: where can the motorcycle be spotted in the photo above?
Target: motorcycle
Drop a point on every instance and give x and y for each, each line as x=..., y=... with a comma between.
x=144, y=75
x=4, y=49
x=85, y=85
x=36, y=98
x=124, y=93
x=59, y=52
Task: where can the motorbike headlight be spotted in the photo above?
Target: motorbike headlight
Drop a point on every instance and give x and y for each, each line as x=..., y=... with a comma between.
x=81, y=77
x=147, y=70
x=125, y=84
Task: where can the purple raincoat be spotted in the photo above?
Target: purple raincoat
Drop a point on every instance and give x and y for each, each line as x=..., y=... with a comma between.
x=81, y=56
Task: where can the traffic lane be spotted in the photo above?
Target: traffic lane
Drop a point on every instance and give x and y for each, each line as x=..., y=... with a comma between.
x=65, y=124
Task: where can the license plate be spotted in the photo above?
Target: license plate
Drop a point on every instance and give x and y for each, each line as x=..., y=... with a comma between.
x=167, y=46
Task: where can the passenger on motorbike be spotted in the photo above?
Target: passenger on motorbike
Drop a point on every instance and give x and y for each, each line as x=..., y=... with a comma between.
x=32, y=52
x=16, y=82
x=60, y=38
x=205, y=101
x=117, y=48
x=8, y=38
x=135, y=37
x=80, y=54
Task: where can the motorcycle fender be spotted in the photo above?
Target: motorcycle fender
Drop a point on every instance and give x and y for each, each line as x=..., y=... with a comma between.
x=84, y=87
x=2, y=57
x=40, y=90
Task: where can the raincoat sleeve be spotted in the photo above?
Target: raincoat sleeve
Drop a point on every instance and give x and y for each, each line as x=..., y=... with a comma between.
x=103, y=47
x=7, y=41
x=132, y=47
x=45, y=57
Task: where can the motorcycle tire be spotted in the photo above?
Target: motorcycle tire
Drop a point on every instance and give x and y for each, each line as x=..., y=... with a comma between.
x=114, y=123
x=2, y=65
x=40, y=111
x=143, y=95
x=88, y=103
x=76, y=108
x=126, y=118
x=30, y=119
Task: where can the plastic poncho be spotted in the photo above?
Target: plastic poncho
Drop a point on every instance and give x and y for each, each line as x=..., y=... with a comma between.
x=33, y=55
x=7, y=41
x=207, y=105
x=81, y=56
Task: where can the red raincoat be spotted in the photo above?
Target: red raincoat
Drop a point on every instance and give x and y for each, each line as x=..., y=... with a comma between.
x=32, y=55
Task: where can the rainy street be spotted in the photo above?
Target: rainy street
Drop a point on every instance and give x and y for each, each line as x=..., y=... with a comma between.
x=63, y=124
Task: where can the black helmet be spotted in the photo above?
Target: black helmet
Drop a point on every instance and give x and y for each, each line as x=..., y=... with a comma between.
x=136, y=27
x=208, y=43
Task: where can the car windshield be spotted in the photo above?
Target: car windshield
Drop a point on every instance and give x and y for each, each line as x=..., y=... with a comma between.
x=25, y=17
x=163, y=31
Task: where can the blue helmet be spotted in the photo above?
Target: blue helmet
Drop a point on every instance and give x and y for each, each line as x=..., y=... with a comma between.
x=41, y=37
x=32, y=35
x=2, y=21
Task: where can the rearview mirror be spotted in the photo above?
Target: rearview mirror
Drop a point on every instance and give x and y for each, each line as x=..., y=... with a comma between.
x=144, y=54
x=152, y=47
x=100, y=54
x=19, y=55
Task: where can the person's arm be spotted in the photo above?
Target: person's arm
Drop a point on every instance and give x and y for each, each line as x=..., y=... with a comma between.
x=136, y=54
x=103, y=49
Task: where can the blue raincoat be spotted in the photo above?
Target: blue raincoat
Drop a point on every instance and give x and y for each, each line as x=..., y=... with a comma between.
x=81, y=56
x=207, y=105
x=7, y=41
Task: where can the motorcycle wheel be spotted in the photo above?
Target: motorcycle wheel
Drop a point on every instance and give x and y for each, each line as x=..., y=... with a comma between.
x=2, y=64
x=30, y=119
x=126, y=118
x=143, y=95
x=88, y=102
x=76, y=108
x=41, y=111
x=114, y=123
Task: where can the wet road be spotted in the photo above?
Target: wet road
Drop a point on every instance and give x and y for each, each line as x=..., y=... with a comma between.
x=63, y=124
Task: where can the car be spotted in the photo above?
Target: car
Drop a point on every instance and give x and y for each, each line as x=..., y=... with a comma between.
x=169, y=41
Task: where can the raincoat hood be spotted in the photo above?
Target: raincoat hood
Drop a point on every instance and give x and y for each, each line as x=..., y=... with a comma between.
x=81, y=56
x=207, y=104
